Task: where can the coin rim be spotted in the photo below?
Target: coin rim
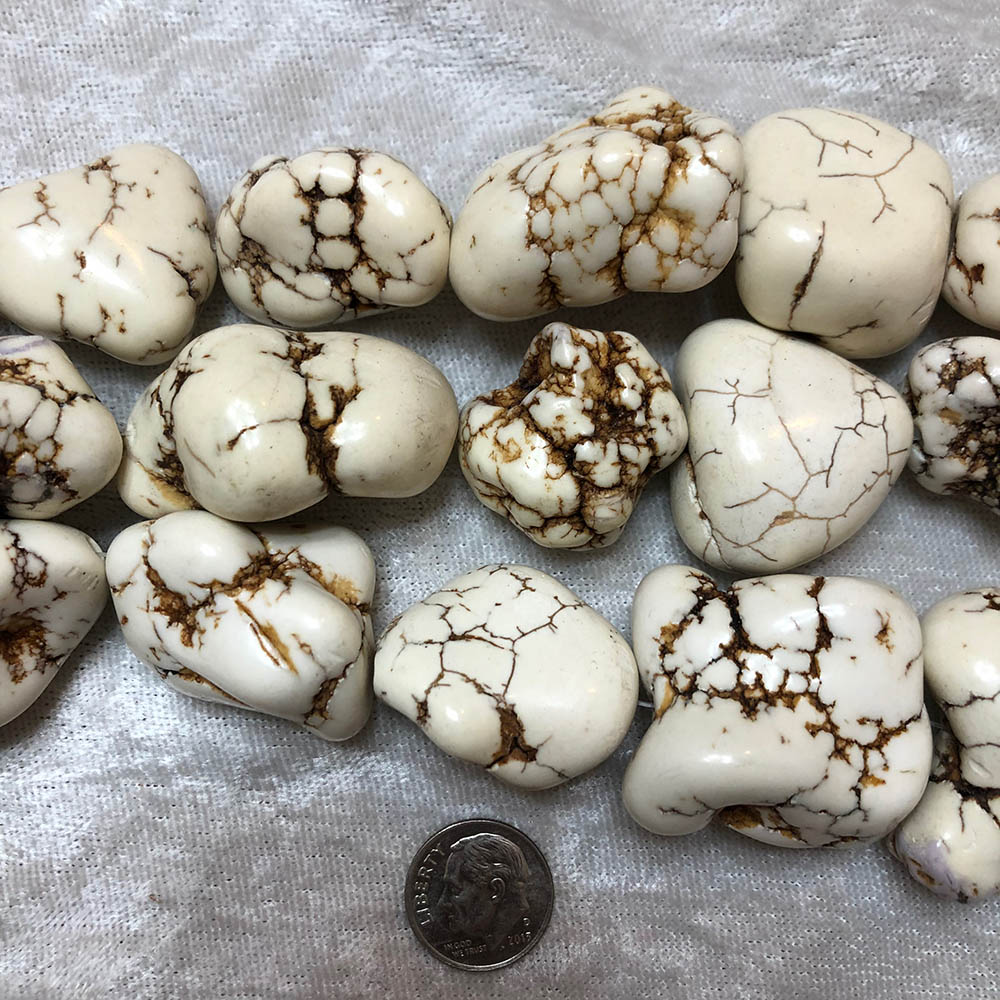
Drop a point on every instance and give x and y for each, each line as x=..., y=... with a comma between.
x=411, y=915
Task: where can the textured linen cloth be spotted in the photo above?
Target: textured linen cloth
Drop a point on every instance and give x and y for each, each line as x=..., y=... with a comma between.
x=155, y=846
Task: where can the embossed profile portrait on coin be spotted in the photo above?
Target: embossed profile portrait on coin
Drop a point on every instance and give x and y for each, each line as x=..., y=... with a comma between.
x=479, y=894
x=484, y=895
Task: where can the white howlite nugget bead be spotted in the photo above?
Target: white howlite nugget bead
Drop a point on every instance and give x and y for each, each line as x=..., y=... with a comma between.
x=954, y=391
x=962, y=665
x=275, y=619
x=972, y=281
x=255, y=424
x=507, y=668
x=331, y=235
x=791, y=448
x=59, y=444
x=116, y=254
x=643, y=196
x=951, y=841
x=790, y=706
x=52, y=590
x=844, y=229
x=564, y=452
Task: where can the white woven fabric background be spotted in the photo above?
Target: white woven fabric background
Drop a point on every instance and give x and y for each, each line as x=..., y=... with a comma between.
x=154, y=846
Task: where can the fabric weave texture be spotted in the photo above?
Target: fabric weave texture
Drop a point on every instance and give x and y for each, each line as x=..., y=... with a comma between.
x=154, y=846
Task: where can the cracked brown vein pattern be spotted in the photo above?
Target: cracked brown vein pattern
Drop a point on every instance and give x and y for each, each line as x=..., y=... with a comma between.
x=791, y=449
x=643, y=196
x=813, y=684
x=115, y=253
x=58, y=444
x=273, y=620
x=565, y=450
x=52, y=590
x=951, y=842
x=255, y=424
x=961, y=638
x=947, y=770
x=953, y=389
x=843, y=232
x=972, y=281
x=331, y=235
x=506, y=668
x=803, y=286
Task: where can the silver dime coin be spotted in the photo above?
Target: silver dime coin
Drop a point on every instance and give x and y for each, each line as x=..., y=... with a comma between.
x=479, y=894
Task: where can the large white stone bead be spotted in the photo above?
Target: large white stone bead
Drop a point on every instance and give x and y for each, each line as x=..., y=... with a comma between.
x=275, y=619
x=643, y=196
x=507, y=668
x=58, y=443
x=52, y=590
x=844, y=229
x=255, y=424
x=962, y=666
x=951, y=842
x=972, y=281
x=565, y=451
x=954, y=391
x=791, y=448
x=115, y=253
x=330, y=235
x=789, y=706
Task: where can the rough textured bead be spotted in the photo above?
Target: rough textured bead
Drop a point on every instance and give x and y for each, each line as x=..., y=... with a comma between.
x=644, y=196
x=565, y=451
x=953, y=387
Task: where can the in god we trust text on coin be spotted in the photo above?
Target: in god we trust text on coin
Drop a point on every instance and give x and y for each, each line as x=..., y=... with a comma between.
x=479, y=894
